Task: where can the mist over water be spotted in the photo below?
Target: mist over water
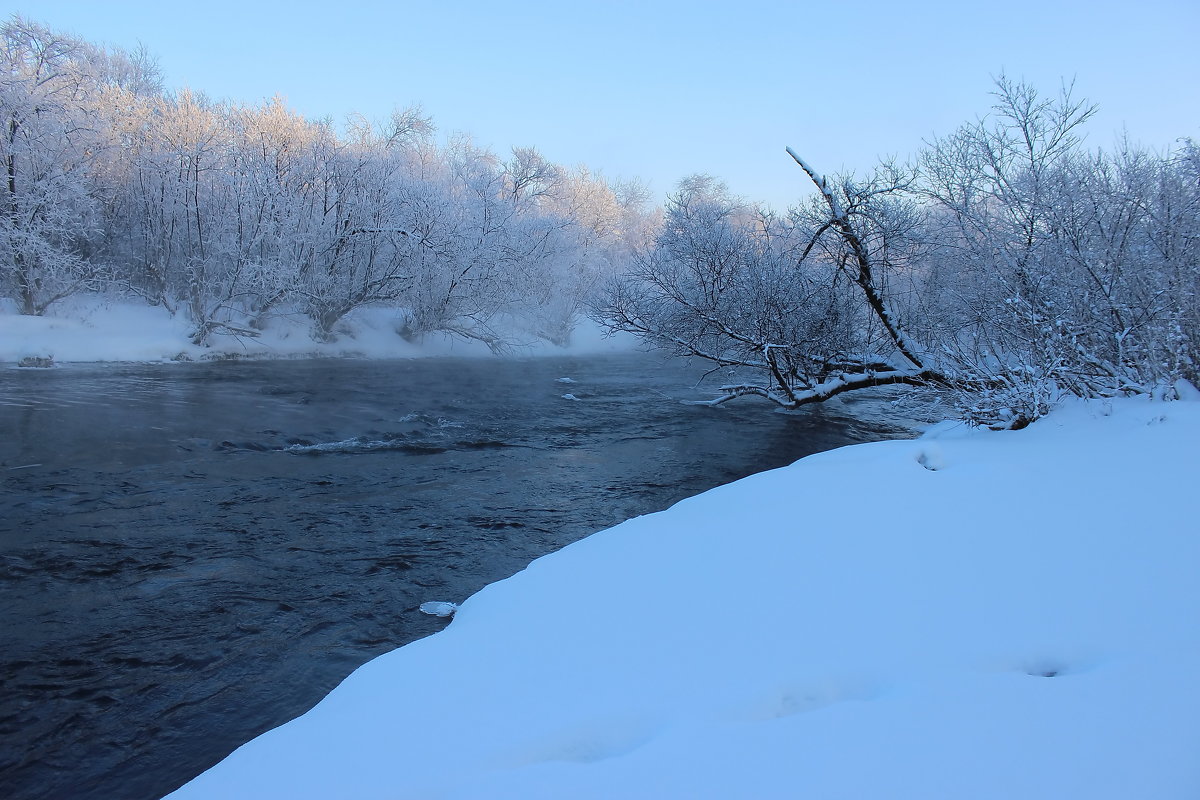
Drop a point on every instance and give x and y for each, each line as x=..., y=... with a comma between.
x=193, y=554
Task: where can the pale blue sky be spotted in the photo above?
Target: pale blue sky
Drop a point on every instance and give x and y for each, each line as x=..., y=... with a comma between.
x=664, y=89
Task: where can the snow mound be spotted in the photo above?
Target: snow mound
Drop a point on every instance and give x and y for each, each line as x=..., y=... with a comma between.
x=101, y=332
x=971, y=614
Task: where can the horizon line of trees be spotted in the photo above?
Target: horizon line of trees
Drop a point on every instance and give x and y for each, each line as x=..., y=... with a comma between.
x=232, y=213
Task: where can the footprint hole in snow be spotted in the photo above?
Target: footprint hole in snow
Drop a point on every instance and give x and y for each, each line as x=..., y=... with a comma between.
x=809, y=697
x=1046, y=669
x=931, y=459
x=595, y=740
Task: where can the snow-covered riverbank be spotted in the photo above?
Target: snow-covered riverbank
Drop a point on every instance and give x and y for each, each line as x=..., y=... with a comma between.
x=95, y=330
x=971, y=614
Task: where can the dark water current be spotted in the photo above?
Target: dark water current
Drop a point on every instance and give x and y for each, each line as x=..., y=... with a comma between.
x=192, y=554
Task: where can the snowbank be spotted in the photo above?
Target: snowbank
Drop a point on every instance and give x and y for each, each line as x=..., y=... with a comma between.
x=971, y=614
x=91, y=330
x=126, y=332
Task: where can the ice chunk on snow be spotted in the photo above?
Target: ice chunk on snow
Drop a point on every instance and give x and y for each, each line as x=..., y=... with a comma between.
x=439, y=608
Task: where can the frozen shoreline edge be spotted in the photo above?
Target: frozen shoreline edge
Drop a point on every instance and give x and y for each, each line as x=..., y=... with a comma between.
x=593, y=672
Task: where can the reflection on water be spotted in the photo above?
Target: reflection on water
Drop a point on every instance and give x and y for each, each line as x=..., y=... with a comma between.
x=193, y=554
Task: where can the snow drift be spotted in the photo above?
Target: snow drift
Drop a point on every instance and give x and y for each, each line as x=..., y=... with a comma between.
x=971, y=614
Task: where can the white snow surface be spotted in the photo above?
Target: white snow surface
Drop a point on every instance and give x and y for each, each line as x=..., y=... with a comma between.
x=91, y=329
x=967, y=615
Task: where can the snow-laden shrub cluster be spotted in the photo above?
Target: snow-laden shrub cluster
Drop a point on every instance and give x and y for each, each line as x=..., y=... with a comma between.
x=1007, y=265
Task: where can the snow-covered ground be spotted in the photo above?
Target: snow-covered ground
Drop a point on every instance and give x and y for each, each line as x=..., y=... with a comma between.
x=90, y=329
x=967, y=615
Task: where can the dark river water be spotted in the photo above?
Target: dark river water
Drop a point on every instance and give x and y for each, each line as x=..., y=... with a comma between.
x=192, y=554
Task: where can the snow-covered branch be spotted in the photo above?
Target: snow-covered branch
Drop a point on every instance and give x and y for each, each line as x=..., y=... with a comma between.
x=827, y=389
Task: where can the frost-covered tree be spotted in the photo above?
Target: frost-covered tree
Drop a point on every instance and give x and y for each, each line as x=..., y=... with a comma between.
x=362, y=251
x=498, y=257
x=53, y=148
x=529, y=177
x=1057, y=285
x=192, y=197
x=48, y=132
x=801, y=299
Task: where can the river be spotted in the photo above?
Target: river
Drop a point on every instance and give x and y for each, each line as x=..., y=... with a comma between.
x=192, y=554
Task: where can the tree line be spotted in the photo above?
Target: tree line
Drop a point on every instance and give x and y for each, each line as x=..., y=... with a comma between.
x=230, y=214
x=1006, y=266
